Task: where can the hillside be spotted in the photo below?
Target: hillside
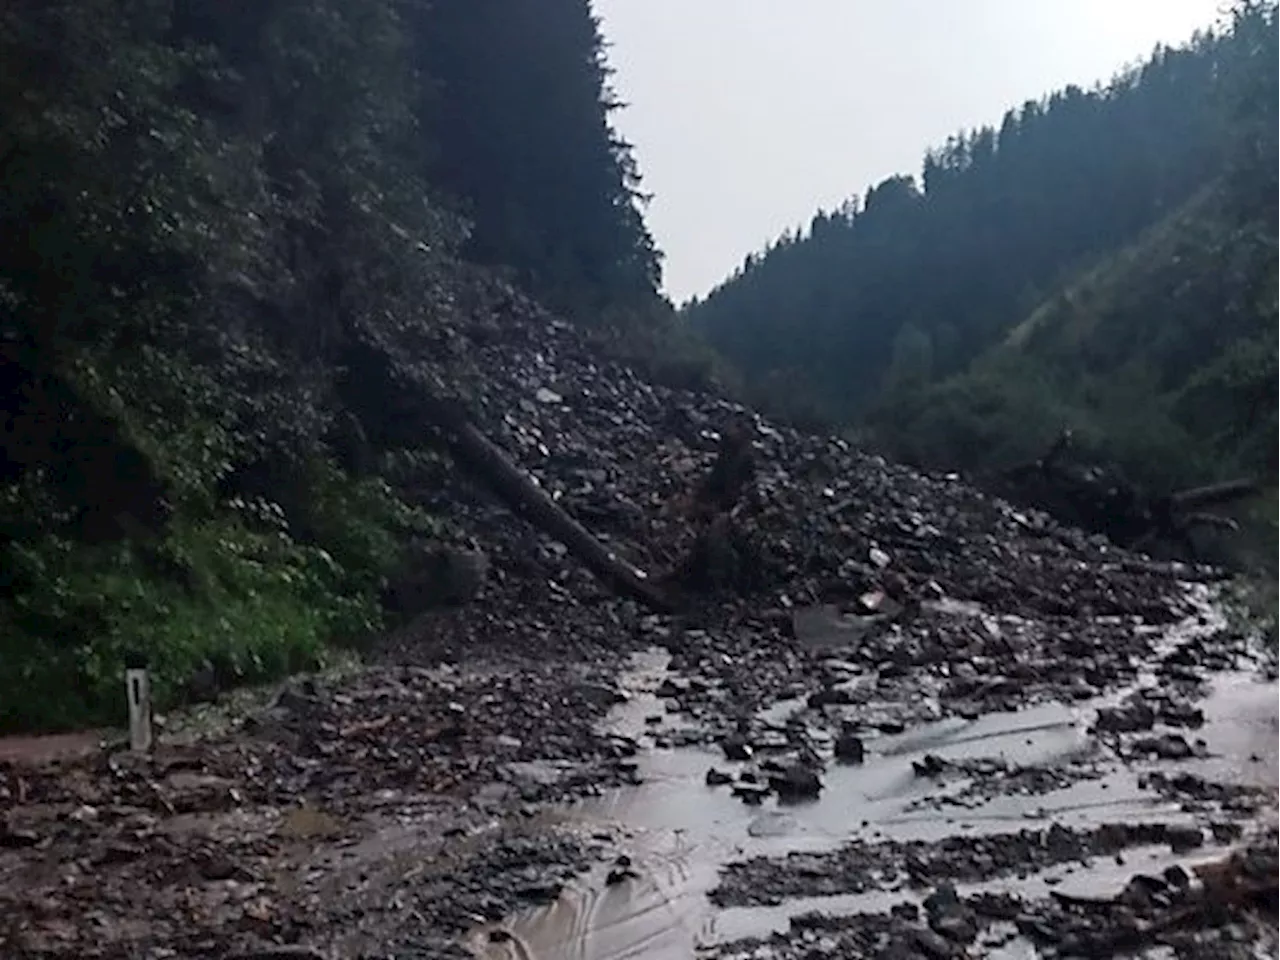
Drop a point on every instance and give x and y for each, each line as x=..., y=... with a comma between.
x=942, y=266
x=213, y=215
x=1163, y=358
x=1104, y=260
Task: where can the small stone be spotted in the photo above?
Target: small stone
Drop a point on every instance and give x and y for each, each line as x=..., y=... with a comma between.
x=16, y=838
x=935, y=946
x=928, y=766
x=849, y=747
x=619, y=875
x=1184, y=839
x=716, y=778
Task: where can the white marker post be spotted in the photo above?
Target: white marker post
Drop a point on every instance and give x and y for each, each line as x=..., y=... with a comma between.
x=138, y=688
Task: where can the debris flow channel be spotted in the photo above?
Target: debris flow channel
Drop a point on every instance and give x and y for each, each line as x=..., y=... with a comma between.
x=705, y=866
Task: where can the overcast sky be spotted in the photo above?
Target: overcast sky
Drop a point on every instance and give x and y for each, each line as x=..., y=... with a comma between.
x=749, y=115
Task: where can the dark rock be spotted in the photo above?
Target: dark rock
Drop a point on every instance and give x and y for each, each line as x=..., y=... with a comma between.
x=751, y=794
x=1131, y=718
x=831, y=696
x=669, y=688
x=716, y=778
x=935, y=946
x=541, y=891
x=1171, y=746
x=218, y=867
x=17, y=838
x=929, y=766
x=1183, y=839
x=736, y=748
x=849, y=748
x=1182, y=715
x=959, y=926
x=905, y=911
x=117, y=853
x=498, y=935
x=619, y=875
x=796, y=782
x=1142, y=891
x=1224, y=831
x=942, y=900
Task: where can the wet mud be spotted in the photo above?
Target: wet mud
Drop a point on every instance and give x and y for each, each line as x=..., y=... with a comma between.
x=1031, y=803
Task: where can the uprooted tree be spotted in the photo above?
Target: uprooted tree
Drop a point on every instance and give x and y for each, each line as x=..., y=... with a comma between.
x=1101, y=499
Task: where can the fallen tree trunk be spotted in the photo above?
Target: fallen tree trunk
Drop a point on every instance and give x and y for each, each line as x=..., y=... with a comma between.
x=484, y=459
x=477, y=453
x=413, y=399
x=1215, y=495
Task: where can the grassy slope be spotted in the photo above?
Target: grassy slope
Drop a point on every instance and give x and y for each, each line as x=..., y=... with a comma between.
x=1146, y=355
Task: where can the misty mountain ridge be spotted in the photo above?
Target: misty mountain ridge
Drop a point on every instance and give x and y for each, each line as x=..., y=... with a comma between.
x=1104, y=260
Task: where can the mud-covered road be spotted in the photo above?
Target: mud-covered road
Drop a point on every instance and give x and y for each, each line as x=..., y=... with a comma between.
x=914, y=722
x=1006, y=816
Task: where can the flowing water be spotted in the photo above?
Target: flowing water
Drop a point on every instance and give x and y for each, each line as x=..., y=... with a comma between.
x=679, y=832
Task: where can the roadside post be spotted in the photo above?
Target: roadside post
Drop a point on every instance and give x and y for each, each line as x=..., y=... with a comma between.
x=137, y=684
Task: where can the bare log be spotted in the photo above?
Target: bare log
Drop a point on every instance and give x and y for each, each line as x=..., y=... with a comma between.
x=475, y=452
x=1215, y=495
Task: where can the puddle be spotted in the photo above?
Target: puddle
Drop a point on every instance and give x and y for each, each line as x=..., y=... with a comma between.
x=680, y=832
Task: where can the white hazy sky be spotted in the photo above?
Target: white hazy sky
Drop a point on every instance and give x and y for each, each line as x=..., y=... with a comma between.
x=749, y=115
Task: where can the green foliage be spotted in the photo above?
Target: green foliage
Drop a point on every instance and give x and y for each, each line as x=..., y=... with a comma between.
x=998, y=220
x=254, y=603
x=239, y=590
x=210, y=212
x=525, y=147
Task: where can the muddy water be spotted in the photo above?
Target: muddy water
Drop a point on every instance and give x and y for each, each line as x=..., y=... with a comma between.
x=679, y=832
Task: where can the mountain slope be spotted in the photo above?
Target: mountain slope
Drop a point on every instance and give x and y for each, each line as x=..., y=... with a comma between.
x=997, y=221
x=1162, y=358
x=209, y=211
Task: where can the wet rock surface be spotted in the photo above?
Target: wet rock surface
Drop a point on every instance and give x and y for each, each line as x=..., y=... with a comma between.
x=1225, y=909
x=466, y=788
x=860, y=866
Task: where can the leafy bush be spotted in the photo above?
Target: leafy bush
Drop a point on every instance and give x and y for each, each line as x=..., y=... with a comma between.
x=252, y=604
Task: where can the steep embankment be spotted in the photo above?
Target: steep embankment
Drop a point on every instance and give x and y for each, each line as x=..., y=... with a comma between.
x=395, y=807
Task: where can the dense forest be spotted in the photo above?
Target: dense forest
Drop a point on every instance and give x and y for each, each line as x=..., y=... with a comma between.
x=210, y=210
x=1104, y=260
